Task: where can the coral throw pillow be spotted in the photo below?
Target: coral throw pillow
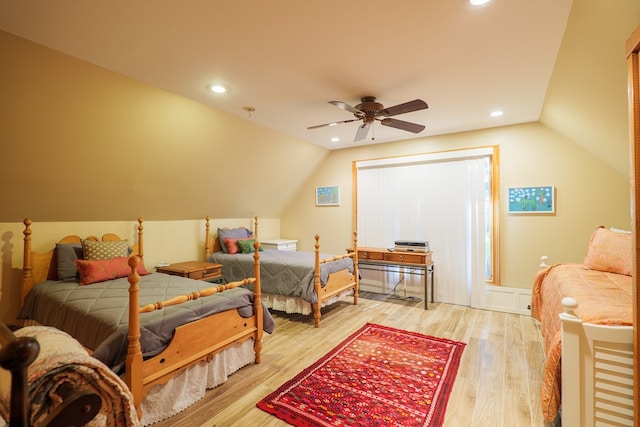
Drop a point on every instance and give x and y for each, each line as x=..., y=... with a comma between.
x=106, y=269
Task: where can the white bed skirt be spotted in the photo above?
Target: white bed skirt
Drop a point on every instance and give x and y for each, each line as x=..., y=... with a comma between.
x=295, y=305
x=189, y=386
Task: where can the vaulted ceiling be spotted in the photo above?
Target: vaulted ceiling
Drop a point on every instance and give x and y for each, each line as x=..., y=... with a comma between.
x=288, y=59
x=282, y=62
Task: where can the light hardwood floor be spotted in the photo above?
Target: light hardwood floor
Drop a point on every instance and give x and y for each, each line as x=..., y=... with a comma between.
x=498, y=382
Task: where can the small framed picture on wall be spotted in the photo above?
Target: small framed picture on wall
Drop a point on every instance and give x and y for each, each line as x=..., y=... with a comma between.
x=328, y=196
x=532, y=200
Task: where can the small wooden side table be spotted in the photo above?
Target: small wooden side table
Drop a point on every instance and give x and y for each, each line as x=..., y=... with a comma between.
x=198, y=270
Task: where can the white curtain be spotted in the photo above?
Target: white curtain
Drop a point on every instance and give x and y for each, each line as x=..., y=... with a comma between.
x=440, y=201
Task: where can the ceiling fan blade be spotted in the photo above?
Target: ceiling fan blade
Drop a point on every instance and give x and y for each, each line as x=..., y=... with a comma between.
x=401, y=124
x=333, y=123
x=363, y=131
x=407, y=107
x=347, y=107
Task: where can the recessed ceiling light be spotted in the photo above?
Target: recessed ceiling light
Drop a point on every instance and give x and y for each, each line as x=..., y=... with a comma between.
x=335, y=139
x=496, y=113
x=478, y=2
x=218, y=88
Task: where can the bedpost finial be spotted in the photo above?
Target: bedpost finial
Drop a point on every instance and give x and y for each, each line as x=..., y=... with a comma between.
x=543, y=261
x=570, y=305
x=27, y=230
x=207, y=218
x=133, y=262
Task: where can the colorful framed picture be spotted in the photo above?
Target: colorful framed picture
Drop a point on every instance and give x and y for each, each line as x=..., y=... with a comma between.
x=328, y=196
x=532, y=200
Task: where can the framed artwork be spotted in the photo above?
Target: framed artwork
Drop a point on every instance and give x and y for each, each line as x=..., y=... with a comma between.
x=532, y=200
x=328, y=196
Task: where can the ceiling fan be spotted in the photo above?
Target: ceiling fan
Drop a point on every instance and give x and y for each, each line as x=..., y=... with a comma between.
x=369, y=110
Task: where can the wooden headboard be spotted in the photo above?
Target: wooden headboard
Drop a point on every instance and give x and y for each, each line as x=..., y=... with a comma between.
x=37, y=267
x=211, y=241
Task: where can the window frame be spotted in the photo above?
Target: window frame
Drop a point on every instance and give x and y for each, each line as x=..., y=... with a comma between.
x=492, y=153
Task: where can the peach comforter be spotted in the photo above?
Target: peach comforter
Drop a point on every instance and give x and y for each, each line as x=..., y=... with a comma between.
x=603, y=298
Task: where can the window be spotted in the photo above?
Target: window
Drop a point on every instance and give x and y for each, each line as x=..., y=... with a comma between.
x=447, y=198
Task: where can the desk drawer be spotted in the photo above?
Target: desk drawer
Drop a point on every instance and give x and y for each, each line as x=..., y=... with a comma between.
x=370, y=255
x=405, y=257
x=207, y=273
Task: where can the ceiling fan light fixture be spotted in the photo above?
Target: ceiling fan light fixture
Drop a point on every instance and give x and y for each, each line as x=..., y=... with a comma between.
x=368, y=111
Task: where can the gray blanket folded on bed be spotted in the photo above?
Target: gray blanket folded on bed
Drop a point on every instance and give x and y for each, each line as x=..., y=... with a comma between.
x=288, y=273
x=97, y=314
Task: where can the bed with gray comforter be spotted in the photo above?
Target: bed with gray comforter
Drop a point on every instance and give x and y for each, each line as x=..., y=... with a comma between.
x=97, y=314
x=287, y=273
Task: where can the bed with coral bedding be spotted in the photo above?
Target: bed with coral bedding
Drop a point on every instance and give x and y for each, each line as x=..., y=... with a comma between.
x=595, y=294
x=293, y=282
x=153, y=325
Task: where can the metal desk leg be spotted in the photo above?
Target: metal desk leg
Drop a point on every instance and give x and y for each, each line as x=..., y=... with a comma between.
x=426, y=289
x=428, y=274
x=432, y=269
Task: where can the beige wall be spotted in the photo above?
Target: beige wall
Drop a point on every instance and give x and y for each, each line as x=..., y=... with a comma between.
x=80, y=143
x=586, y=99
x=589, y=193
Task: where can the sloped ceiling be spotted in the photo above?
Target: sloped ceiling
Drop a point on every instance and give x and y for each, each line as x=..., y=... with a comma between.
x=558, y=61
x=288, y=59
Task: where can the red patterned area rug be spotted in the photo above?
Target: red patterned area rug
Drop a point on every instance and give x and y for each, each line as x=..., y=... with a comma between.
x=379, y=376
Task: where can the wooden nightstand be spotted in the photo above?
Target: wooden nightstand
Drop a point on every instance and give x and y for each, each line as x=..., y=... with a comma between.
x=198, y=270
x=280, y=244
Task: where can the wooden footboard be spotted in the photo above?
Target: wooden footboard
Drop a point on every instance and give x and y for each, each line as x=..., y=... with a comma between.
x=338, y=282
x=597, y=371
x=193, y=342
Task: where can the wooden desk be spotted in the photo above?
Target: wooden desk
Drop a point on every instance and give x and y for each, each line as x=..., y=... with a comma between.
x=383, y=257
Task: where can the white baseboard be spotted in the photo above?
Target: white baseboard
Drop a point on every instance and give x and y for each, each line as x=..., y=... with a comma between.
x=506, y=299
x=496, y=298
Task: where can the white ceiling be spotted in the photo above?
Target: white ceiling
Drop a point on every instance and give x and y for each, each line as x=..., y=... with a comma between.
x=288, y=58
